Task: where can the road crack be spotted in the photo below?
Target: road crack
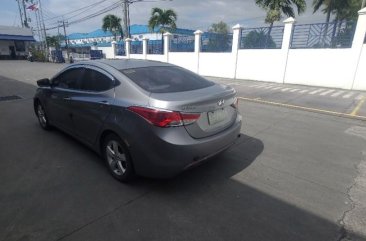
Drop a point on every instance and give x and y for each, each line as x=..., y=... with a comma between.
x=353, y=220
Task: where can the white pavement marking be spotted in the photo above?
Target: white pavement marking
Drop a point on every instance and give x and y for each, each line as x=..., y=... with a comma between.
x=303, y=91
x=360, y=97
x=326, y=92
x=316, y=91
x=276, y=88
x=337, y=93
x=259, y=86
x=269, y=87
x=294, y=90
x=348, y=95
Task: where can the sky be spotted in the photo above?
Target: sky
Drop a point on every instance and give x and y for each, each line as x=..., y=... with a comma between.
x=192, y=14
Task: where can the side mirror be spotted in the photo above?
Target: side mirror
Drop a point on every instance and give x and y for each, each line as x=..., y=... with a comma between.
x=44, y=82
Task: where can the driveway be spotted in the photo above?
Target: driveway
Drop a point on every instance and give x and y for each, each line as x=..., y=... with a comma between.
x=295, y=175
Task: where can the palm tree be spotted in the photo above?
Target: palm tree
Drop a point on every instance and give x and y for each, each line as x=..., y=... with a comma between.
x=329, y=6
x=342, y=10
x=112, y=23
x=275, y=9
x=345, y=9
x=165, y=19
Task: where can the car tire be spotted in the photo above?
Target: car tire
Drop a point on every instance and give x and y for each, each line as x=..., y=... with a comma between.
x=117, y=158
x=42, y=116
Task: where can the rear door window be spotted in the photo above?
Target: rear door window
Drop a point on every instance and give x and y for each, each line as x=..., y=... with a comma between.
x=166, y=79
x=95, y=81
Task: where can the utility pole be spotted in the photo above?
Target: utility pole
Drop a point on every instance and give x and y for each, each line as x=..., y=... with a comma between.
x=20, y=13
x=66, y=42
x=44, y=31
x=25, y=15
x=125, y=6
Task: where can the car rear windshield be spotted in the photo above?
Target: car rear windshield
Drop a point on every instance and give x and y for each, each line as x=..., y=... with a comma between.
x=166, y=79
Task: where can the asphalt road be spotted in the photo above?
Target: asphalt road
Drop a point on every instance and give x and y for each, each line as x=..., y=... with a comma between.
x=338, y=102
x=295, y=175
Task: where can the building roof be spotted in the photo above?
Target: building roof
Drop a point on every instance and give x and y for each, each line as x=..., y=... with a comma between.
x=16, y=33
x=134, y=30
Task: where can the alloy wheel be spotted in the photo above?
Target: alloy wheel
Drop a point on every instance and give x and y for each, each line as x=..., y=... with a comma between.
x=116, y=157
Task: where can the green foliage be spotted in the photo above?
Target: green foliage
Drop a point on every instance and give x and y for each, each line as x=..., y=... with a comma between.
x=220, y=27
x=54, y=41
x=258, y=40
x=275, y=8
x=112, y=23
x=165, y=19
x=343, y=37
x=38, y=55
x=218, y=37
x=342, y=9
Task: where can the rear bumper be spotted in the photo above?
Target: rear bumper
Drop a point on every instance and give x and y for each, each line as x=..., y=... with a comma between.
x=167, y=152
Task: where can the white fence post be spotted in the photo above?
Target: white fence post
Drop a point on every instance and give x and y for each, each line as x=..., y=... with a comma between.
x=144, y=47
x=167, y=37
x=286, y=42
x=358, y=40
x=197, y=47
x=114, y=43
x=128, y=47
x=236, y=45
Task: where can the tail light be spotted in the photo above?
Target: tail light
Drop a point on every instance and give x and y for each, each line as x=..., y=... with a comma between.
x=164, y=118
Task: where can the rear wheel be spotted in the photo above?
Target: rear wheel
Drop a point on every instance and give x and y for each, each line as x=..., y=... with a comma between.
x=42, y=117
x=117, y=158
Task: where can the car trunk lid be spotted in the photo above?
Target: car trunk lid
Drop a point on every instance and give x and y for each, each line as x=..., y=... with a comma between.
x=215, y=105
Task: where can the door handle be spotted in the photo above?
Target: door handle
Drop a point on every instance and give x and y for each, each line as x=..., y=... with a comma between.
x=67, y=98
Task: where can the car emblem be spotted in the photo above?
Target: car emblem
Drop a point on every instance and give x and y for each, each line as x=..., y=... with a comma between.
x=220, y=102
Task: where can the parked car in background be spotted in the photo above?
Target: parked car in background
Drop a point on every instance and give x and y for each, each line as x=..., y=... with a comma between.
x=143, y=117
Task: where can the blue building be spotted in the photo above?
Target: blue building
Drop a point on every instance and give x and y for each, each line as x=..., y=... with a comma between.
x=101, y=38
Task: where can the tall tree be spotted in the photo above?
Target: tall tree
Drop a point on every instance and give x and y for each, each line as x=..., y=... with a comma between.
x=165, y=19
x=112, y=23
x=341, y=9
x=275, y=9
x=220, y=27
x=218, y=38
x=345, y=9
x=54, y=41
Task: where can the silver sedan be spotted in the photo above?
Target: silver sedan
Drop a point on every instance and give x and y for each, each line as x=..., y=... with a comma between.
x=143, y=117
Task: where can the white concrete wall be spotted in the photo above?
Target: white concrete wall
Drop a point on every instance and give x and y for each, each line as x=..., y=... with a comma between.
x=107, y=52
x=217, y=65
x=336, y=68
x=321, y=67
x=261, y=64
x=156, y=57
x=136, y=56
x=360, y=79
x=185, y=60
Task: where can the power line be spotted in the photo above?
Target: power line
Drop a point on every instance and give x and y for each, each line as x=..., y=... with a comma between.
x=95, y=14
x=76, y=10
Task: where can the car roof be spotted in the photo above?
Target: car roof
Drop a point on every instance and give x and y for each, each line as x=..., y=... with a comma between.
x=122, y=64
